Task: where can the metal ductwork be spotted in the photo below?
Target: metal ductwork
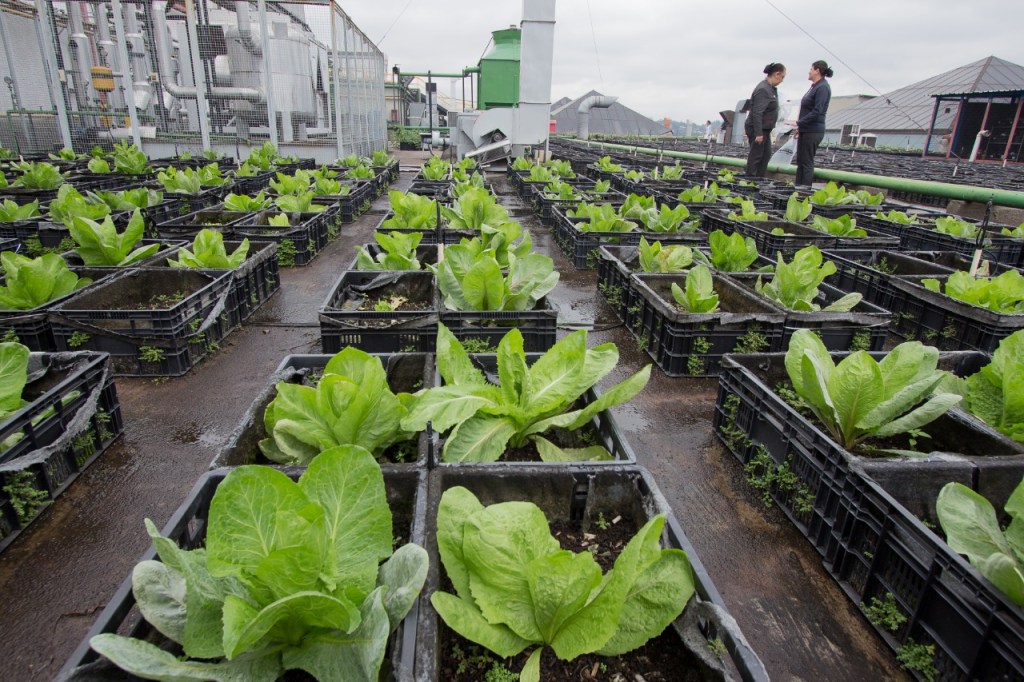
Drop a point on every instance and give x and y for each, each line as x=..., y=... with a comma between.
x=592, y=102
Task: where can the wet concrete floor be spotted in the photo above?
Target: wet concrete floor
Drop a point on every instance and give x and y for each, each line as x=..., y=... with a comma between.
x=57, y=577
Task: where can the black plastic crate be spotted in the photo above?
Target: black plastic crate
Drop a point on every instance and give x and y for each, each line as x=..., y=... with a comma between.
x=538, y=326
x=945, y=322
x=187, y=527
x=178, y=297
x=398, y=331
x=686, y=344
x=178, y=205
x=297, y=244
x=407, y=372
x=869, y=272
x=615, y=268
x=356, y=202
x=997, y=247
x=430, y=234
x=188, y=226
x=581, y=496
x=581, y=247
x=863, y=328
x=32, y=328
x=426, y=254
x=146, y=356
x=72, y=416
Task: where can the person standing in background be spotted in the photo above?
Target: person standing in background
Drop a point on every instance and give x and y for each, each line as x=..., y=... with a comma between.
x=707, y=131
x=810, y=125
x=764, y=114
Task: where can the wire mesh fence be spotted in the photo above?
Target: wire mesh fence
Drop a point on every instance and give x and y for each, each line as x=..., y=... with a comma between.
x=189, y=75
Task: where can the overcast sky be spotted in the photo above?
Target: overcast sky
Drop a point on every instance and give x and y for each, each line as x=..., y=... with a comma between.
x=688, y=60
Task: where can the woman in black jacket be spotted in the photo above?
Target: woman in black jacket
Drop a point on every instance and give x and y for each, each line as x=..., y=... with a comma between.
x=810, y=125
x=764, y=114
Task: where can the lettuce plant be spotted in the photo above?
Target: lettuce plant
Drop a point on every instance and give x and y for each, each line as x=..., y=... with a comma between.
x=860, y=398
x=541, y=174
x=301, y=203
x=699, y=295
x=703, y=195
x=380, y=158
x=324, y=187
x=474, y=281
x=486, y=419
x=732, y=252
x=837, y=195
x=747, y=212
x=290, y=577
x=669, y=220
x=209, y=175
x=351, y=405
x=797, y=211
x=247, y=170
x=411, y=211
x=129, y=159
x=399, y=252
x=466, y=164
x=70, y=205
x=66, y=154
x=634, y=175
x=350, y=161
x=264, y=157
x=972, y=529
x=605, y=164
x=795, y=284
x=467, y=184
x=127, y=200
x=100, y=244
x=994, y=393
x=279, y=220
x=956, y=227
x=515, y=588
x=180, y=182
x=208, y=252
x=13, y=376
x=11, y=212
x=32, y=282
x=601, y=218
x=563, y=191
x=435, y=168
x=601, y=187
x=843, y=226
x=298, y=183
x=561, y=168
x=1002, y=294
x=897, y=217
x=522, y=163
x=669, y=172
x=245, y=203
x=39, y=176
x=474, y=209
x=99, y=166
x=505, y=240
x=1013, y=231
x=635, y=206
x=655, y=257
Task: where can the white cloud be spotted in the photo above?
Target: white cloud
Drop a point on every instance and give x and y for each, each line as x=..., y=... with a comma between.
x=690, y=59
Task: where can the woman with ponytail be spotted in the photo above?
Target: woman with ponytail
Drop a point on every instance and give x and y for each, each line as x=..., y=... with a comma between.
x=810, y=124
x=764, y=114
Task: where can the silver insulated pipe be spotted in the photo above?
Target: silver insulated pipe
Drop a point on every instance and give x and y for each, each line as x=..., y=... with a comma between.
x=592, y=102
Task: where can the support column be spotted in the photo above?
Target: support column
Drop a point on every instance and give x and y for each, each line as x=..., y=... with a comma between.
x=44, y=25
x=1013, y=128
x=127, y=78
x=14, y=82
x=348, y=71
x=336, y=94
x=197, y=73
x=955, y=129
x=268, y=79
x=931, y=128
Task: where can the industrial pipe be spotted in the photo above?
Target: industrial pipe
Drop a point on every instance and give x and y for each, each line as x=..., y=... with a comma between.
x=592, y=102
x=468, y=70
x=999, y=197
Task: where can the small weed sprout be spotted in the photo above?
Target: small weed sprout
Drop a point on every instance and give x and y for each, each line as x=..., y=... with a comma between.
x=919, y=658
x=25, y=497
x=151, y=354
x=884, y=613
x=717, y=647
x=601, y=521
x=78, y=339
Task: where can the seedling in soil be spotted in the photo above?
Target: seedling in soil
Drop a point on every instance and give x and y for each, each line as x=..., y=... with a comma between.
x=151, y=354
x=601, y=522
x=166, y=300
x=25, y=497
x=78, y=339
x=613, y=294
x=642, y=341
x=390, y=304
x=473, y=345
x=10, y=336
x=717, y=647
x=695, y=363
x=884, y=614
x=919, y=658
x=286, y=253
x=751, y=342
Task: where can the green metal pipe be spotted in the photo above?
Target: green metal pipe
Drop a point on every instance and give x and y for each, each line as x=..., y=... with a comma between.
x=999, y=197
x=435, y=74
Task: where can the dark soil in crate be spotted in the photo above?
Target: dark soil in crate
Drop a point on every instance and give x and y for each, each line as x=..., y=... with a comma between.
x=155, y=292
x=661, y=659
x=362, y=294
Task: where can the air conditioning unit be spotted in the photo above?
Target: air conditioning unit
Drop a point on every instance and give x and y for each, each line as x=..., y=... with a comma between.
x=849, y=134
